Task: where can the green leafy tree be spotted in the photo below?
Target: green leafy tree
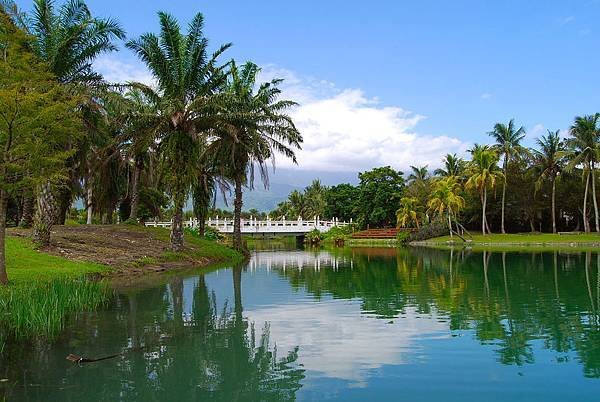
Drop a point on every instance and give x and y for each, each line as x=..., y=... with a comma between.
x=380, y=191
x=187, y=77
x=341, y=201
x=549, y=161
x=483, y=173
x=36, y=119
x=68, y=39
x=253, y=128
x=508, y=144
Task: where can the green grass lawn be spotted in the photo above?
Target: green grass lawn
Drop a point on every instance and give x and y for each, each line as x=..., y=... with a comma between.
x=523, y=239
x=25, y=264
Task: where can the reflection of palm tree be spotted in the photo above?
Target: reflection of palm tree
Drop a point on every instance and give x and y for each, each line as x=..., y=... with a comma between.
x=588, y=257
x=555, y=263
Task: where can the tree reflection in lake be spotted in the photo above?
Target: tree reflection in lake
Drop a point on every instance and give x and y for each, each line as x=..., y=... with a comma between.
x=207, y=353
x=510, y=300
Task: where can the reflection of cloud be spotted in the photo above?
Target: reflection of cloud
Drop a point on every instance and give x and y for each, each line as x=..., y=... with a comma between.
x=337, y=340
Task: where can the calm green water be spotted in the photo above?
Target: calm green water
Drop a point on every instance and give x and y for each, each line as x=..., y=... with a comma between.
x=361, y=324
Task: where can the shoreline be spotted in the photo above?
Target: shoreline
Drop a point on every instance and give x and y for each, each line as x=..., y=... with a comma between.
x=81, y=268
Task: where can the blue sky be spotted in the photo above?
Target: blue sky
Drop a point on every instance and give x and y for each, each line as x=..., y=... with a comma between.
x=410, y=79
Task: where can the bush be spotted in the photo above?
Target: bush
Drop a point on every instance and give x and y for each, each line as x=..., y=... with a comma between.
x=210, y=233
x=313, y=237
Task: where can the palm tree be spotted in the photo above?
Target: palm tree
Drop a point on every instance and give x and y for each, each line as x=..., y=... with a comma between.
x=253, y=127
x=418, y=174
x=446, y=198
x=454, y=166
x=483, y=173
x=187, y=78
x=549, y=159
x=68, y=39
x=508, y=143
x=410, y=211
x=138, y=140
x=583, y=150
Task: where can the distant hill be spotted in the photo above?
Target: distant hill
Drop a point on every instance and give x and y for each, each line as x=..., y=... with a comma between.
x=259, y=198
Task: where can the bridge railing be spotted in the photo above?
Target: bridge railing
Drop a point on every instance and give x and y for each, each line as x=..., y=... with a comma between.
x=225, y=225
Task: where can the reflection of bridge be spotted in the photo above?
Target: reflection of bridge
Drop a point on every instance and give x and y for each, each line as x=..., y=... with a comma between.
x=298, y=260
x=252, y=226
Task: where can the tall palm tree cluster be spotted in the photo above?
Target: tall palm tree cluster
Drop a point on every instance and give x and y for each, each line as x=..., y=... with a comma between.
x=201, y=127
x=551, y=187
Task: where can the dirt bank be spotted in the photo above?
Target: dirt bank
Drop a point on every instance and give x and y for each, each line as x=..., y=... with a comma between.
x=130, y=251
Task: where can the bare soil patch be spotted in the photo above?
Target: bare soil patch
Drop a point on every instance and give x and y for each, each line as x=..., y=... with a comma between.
x=128, y=250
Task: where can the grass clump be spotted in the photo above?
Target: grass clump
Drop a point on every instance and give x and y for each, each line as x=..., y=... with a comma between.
x=40, y=308
x=43, y=290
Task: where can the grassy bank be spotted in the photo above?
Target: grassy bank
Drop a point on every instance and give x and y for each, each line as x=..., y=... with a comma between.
x=43, y=290
x=45, y=286
x=371, y=242
x=520, y=240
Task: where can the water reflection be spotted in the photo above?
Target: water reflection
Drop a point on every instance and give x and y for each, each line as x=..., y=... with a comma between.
x=199, y=352
x=341, y=324
x=509, y=300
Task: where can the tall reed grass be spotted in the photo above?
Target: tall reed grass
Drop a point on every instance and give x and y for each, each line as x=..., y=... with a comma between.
x=41, y=308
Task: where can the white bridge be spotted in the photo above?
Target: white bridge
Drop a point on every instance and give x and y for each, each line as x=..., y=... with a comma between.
x=267, y=227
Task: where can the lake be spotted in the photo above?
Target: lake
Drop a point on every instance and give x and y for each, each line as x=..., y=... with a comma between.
x=378, y=324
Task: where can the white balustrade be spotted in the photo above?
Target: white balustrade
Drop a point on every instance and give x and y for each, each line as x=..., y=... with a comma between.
x=252, y=225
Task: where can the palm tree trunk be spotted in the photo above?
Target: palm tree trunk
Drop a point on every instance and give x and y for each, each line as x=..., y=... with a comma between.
x=554, y=204
x=201, y=226
x=586, y=223
x=504, y=193
x=237, y=216
x=135, y=188
x=177, y=224
x=44, y=215
x=89, y=196
x=27, y=215
x=449, y=224
x=483, y=218
x=597, y=220
x=3, y=203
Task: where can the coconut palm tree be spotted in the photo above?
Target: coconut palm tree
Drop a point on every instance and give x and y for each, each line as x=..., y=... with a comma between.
x=483, y=173
x=418, y=174
x=582, y=149
x=410, y=211
x=187, y=78
x=446, y=199
x=508, y=144
x=68, y=39
x=549, y=160
x=253, y=127
x=453, y=166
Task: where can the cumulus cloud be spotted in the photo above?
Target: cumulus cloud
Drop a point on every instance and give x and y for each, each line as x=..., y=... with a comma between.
x=114, y=70
x=345, y=130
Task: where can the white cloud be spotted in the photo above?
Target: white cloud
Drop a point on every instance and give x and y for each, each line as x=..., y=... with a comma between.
x=114, y=70
x=486, y=96
x=344, y=130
